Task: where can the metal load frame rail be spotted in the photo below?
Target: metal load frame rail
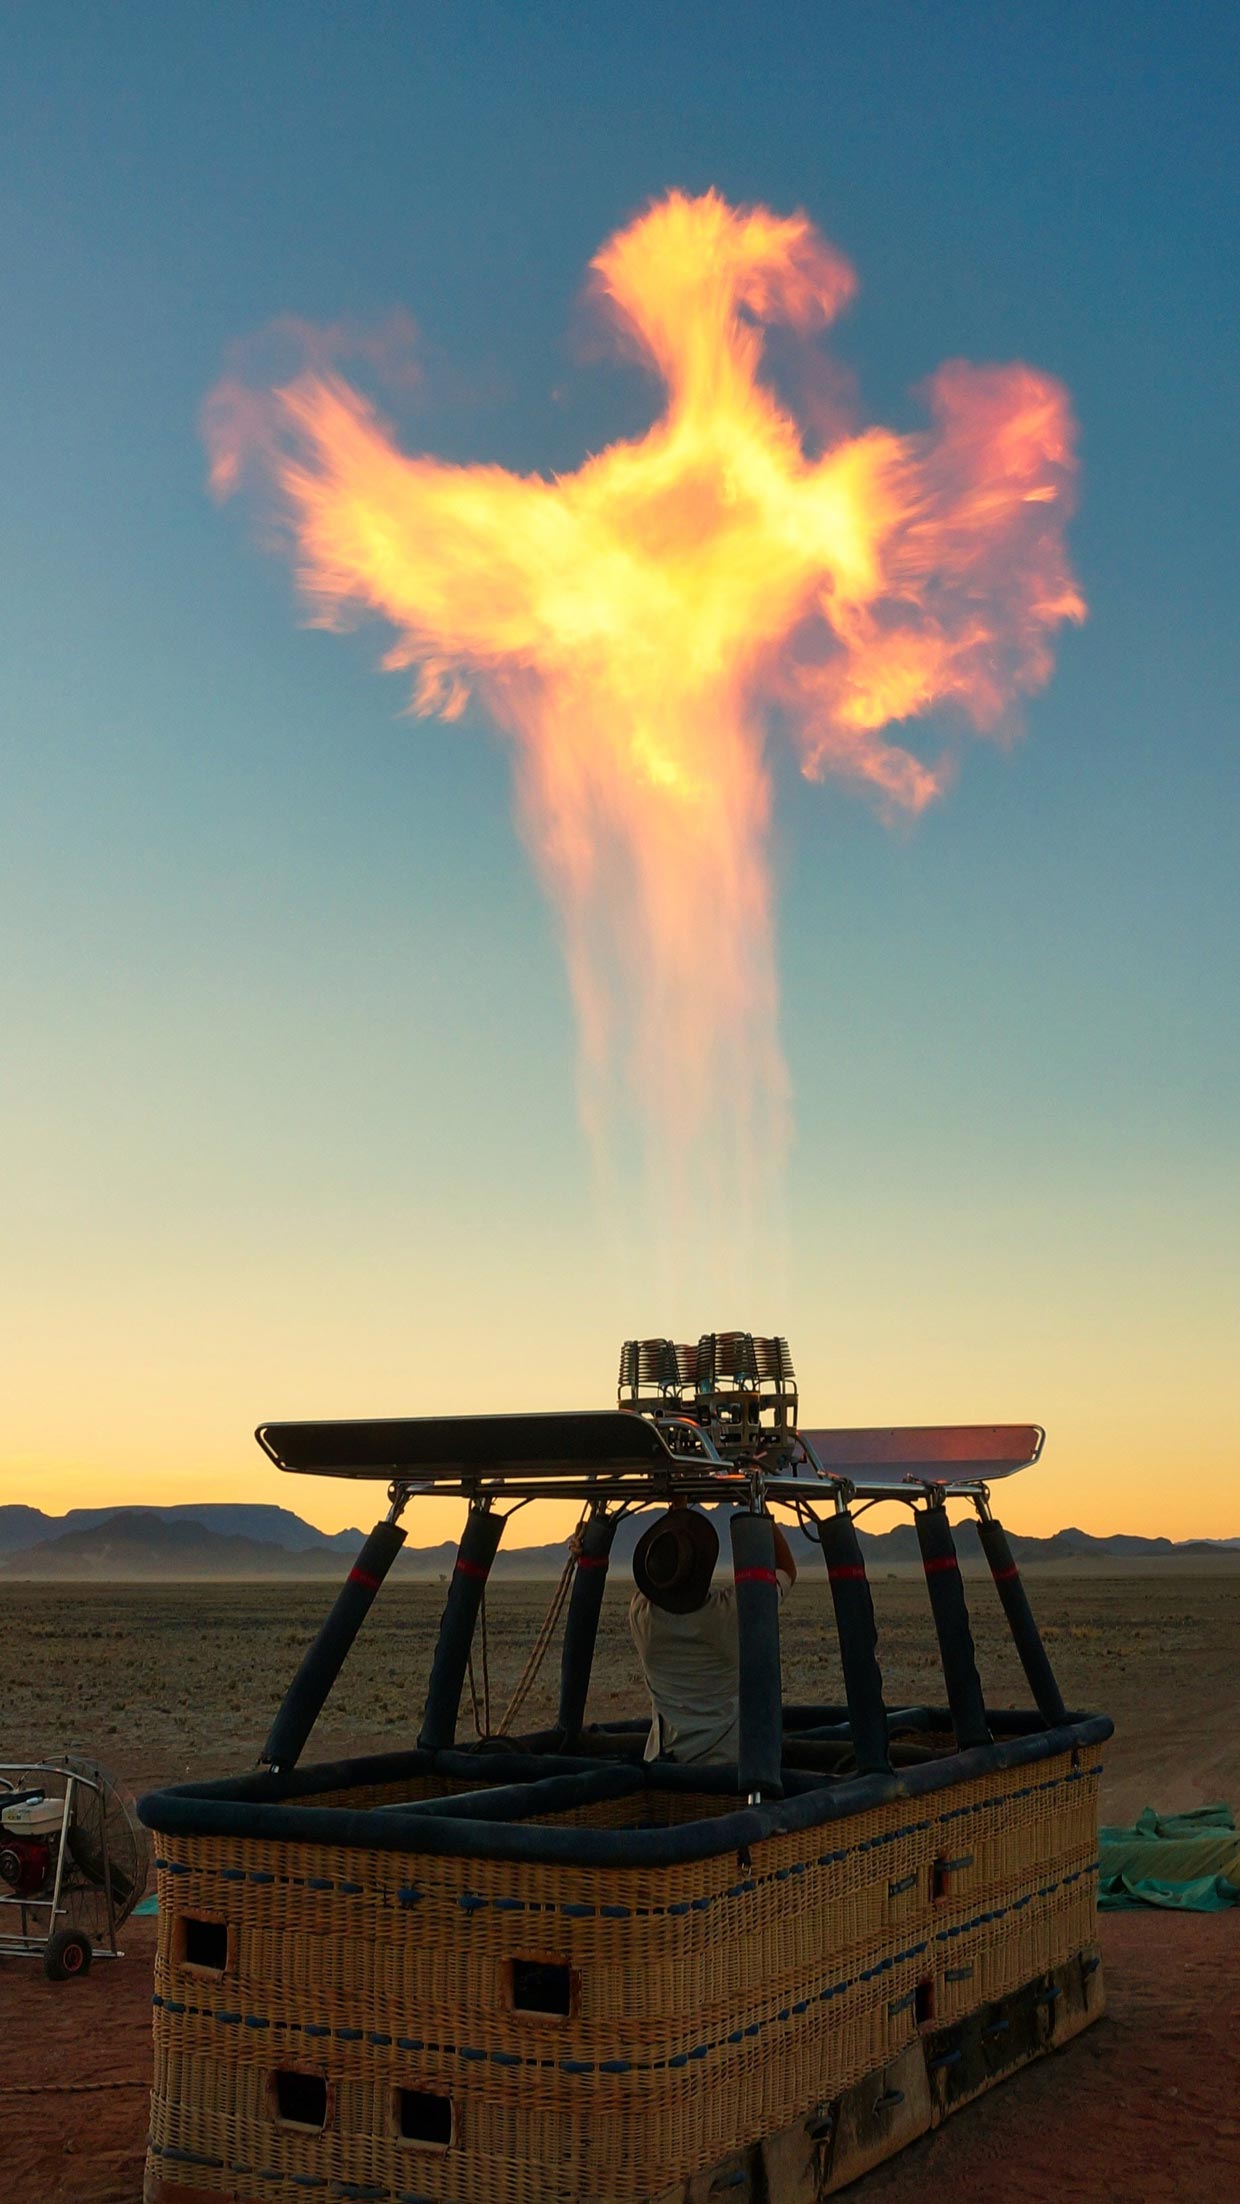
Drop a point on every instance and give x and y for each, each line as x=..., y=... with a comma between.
x=618, y=1454
x=614, y=1461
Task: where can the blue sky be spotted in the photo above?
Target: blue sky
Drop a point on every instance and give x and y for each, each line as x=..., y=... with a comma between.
x=288, y=1078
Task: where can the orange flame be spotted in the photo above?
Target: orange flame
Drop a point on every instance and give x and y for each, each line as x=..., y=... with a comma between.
x=631, y=625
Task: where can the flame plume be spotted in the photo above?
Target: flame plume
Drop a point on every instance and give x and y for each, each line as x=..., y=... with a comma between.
x=632, y=626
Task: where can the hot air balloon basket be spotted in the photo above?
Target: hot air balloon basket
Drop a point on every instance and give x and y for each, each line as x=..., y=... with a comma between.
x=665, y=1994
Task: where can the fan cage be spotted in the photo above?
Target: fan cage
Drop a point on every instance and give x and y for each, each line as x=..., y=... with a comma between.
x=100, y=1863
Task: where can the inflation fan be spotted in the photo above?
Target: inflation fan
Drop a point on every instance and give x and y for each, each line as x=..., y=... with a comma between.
x=74, y=1862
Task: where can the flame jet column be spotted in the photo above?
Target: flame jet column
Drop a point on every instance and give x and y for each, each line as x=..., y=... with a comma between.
x=634, y=625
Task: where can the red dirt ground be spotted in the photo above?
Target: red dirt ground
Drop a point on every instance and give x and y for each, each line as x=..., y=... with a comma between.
x=1143, y=2108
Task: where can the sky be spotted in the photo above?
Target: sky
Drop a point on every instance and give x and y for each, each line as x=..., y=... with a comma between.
x=287, y=1069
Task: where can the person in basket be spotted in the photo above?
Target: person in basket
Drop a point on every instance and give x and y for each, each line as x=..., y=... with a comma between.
x=684, y=1631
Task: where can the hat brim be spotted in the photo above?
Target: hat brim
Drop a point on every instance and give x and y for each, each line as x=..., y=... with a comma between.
x=698, y=1541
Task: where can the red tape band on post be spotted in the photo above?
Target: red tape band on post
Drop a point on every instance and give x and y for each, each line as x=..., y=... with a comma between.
x=592, y=1561
x=1005, y=1576
x=847, y=1572
x=756, y=1576
x=940, y=1563
x=363, y=1577
x=471, y=1568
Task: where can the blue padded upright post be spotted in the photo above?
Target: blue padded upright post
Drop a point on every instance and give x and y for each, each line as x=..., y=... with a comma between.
x=1026, y=1636
x=585, y=1605
x=951, y=1622
x=479, y=1543
x=854, y=1621
x=761, y=1709
x=305, y=1697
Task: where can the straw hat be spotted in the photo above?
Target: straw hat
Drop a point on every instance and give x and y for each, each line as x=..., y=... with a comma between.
x=674, y=1560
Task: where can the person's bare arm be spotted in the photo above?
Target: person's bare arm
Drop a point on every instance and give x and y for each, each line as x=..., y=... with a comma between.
x=783, y=1553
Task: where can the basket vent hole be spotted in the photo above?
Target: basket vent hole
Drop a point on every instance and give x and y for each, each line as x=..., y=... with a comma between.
x=423, y=2117
x=301, y=2099
x=923, y=2003
x=539, y=1986
x=205, y=1943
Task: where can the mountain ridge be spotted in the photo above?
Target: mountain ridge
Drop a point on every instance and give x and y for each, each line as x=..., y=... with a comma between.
x=22, y=1527
x=223, y=1541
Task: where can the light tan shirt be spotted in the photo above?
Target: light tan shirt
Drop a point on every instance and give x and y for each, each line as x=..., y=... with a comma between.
x=691, y=1665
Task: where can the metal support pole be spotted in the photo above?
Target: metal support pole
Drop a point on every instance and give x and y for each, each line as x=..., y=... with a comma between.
x=854, y=1621
x=585, y=1605
x=1026, y=1636
x=62, y=1851
x=479, y=1543
x=951, y=1622
x=761, y=1709
x=307, y=1694
x=107, y=1876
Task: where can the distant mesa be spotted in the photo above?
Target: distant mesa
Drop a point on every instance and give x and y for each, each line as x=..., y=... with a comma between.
x=221, y=1542
x=23, y=1527
x=133, y=1545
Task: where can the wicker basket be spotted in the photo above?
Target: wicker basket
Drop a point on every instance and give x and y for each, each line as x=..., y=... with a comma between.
x=347, y=2021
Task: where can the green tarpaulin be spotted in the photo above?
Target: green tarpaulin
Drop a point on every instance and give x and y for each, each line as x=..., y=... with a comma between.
x=1190, y=1862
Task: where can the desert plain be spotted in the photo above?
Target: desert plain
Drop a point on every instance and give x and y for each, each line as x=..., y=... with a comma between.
x=160, y=1682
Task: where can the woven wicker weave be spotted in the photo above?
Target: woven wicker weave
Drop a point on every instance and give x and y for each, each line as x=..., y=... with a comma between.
x=711, y=2003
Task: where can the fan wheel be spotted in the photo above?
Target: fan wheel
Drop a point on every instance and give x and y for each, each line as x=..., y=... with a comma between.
x=67, y=1955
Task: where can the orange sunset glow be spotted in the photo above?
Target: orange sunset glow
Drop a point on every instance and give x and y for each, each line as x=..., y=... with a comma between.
x=620, y=1103
x=638, y=628
x=619, y=719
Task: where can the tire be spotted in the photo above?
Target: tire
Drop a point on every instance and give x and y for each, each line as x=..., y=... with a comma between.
x=66, y=1956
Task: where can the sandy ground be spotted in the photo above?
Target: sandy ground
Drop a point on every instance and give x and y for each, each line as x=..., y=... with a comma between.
x=161, y=1683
